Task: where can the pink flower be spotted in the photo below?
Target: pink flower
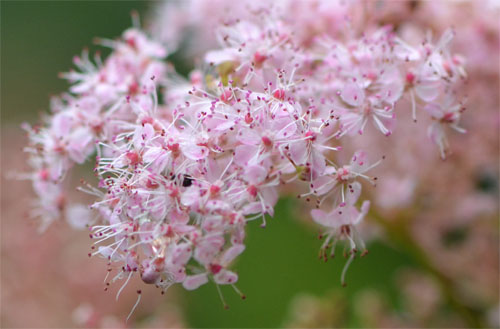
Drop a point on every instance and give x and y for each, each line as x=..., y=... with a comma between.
x=445, y=113
x=182, y=165
x=341, y=224
x=215, y=265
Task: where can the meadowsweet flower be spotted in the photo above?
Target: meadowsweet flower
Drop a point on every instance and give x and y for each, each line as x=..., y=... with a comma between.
x=184, y=164
x=341, y=224
x=445, y=113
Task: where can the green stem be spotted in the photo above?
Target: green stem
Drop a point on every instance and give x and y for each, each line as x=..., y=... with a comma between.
x=398, y=233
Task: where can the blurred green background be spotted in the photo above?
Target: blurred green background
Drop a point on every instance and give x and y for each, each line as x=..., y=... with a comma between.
x=39, y=39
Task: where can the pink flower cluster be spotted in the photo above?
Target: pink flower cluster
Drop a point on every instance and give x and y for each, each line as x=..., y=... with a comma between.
x=183, y=165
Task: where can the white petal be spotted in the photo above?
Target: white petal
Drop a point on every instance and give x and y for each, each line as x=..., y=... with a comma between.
x=192, y=282
x=225, y=277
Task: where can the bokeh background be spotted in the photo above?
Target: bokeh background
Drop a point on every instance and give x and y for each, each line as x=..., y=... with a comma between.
x=441, y=274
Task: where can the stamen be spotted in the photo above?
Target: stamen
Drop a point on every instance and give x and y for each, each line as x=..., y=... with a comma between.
x=239, y=292
x=344, y=270
x=123, y=286
x=221, y=297
x=139, y=293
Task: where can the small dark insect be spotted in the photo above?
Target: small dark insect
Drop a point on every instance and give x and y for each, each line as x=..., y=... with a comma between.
x=187, y=181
